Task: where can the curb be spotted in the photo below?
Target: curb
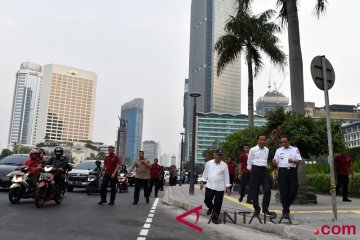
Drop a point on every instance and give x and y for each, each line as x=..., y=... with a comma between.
x=296, y=232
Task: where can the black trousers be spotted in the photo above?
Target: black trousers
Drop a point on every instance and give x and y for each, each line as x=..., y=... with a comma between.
x=260, y=176
x=245, y=180
x=288, y=186
x=343, y=182
x=138, y=183
x=232, y=178
x=209, y=197
x=105, y=182
x=156, y=182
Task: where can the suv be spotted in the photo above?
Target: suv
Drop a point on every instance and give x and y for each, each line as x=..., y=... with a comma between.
x=78, y=176
x=8, y=165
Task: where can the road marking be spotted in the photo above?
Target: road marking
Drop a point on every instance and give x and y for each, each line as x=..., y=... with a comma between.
x=145, y=230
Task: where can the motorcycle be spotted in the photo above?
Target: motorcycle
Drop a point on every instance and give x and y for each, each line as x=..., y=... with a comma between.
x=94, y=183
x=122, y=184
x=47, y=189
x=21, y=185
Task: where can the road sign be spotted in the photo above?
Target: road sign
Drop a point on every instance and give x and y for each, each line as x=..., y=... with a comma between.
x=316, y=68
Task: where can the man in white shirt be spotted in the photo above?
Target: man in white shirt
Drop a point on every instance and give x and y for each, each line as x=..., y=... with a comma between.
x=286, y=159
x=257, y=164
x=216, y=176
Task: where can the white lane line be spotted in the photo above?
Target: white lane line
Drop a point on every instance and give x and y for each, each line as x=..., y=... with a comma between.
x=145, y=230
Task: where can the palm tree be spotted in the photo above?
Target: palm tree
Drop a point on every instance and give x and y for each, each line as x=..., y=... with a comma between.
x=250, y=35
x=288, y=14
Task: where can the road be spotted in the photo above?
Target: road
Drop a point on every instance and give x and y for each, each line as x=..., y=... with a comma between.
x=79, y=217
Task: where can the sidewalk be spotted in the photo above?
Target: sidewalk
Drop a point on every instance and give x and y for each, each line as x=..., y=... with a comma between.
x=305, y=218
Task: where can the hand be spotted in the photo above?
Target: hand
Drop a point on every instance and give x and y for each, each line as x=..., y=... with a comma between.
x=113, y=176
x=228, y=191
x=201, y=186
x=290, y=160
x=274, y=162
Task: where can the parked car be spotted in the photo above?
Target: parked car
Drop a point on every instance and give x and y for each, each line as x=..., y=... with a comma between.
x=8, y=165
x=78, y=176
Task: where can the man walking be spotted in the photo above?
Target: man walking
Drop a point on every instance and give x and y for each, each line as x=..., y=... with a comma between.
x=257, y=164
x=343, y=166
x=216, y=176
x=231, y=167
x=286, y=159
x=142, y=177
x=245, y=175
x=111, y=165
x=155, y=172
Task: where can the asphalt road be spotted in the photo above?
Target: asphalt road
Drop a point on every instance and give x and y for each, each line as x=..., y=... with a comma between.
x=80, y=217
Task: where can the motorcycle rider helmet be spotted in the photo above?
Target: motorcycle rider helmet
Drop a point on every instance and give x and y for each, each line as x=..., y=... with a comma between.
x=41, y=151
x=58, y=151
x=34, y=153
x=98, y=163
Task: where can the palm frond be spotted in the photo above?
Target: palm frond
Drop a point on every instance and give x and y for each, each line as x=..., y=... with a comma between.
x=320, y=7
x=228, y=49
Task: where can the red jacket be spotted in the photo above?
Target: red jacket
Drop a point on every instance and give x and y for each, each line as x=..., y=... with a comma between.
x=155, y=171
x=231, y=167
x=243, y=163
x=111, y=161
x=343, y=164
x=33, y=164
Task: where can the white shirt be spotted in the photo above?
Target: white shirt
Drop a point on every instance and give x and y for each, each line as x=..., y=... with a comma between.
x=216, y=175
x=283, y=154
x=258, y=157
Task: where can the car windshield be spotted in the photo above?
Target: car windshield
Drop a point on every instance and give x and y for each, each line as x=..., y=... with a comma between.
x=88, y=165
x=15, y=159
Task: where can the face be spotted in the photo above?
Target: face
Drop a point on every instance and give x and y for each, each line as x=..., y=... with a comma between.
x=261, y=141
x=41, y=155
x=285, y=142
x=141, y=155
x=218, y=158
x=229, y=159
x=111, y=150
x=246, y=149
x=155, y=161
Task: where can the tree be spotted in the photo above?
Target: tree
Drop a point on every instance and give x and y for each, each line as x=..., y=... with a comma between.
x=5, y=152
x=22, y=149
x=250, y=35
x=288, y=14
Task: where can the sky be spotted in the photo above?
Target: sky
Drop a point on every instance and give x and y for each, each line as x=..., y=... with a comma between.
x=140, y=49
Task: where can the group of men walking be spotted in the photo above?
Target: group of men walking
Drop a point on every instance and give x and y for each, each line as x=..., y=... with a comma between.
x=254, y=171
x=147, y=175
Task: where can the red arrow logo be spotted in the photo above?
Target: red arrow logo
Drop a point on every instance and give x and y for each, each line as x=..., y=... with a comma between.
x=181, y=219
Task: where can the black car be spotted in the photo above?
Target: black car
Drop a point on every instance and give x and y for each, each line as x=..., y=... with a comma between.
x=8, y=165
x=78, y=176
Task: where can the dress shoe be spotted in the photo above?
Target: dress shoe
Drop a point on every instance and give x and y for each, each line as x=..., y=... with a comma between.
x=240, y=199
x=101, y=202
x=147, y=200
x=134, y=203
x=267, y=212
x=215, y=221
x=156, y=196
x=347, y=200
x=209, y=211
x=249, y=202
x=111, y=203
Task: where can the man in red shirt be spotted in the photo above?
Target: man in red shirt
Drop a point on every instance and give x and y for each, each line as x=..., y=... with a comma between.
x=231, y=167
x=155, y=171
x=111, y=165
x=34, y=165
x=245, y=175
x=343, y=166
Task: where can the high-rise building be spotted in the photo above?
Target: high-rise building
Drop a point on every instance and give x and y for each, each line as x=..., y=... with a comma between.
x=173, y=160
x=271, y=101
x=219, y=94
x=132, y=112
x=67, y=104
x=165, y=160
x=151, y=150
x=23, y=122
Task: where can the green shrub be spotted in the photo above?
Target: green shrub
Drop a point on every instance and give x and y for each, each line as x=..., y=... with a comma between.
x=321, y=183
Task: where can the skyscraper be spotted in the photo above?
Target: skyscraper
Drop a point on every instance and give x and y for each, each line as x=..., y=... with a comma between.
x=132, y=112
x=151, y=150
x=219, y=94
x=23, y=122
x=67, y=104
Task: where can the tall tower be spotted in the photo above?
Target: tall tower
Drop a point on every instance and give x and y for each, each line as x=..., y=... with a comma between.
x=132, y=112
x=25, y=104
x=218, y=94
x=67, y=104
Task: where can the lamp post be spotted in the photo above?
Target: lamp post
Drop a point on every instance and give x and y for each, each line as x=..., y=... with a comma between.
x=192, y=163
x=181, y=157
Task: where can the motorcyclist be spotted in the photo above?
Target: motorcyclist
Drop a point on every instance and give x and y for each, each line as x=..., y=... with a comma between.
x=42, y=156
x=123, y=169
x=61, y=164
x=98, y=166
x=34, y=165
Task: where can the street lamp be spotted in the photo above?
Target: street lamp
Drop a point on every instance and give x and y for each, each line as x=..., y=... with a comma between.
x=192, y=163
x=181, y=157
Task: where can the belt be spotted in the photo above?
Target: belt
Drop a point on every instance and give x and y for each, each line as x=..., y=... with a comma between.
x=287, y=168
